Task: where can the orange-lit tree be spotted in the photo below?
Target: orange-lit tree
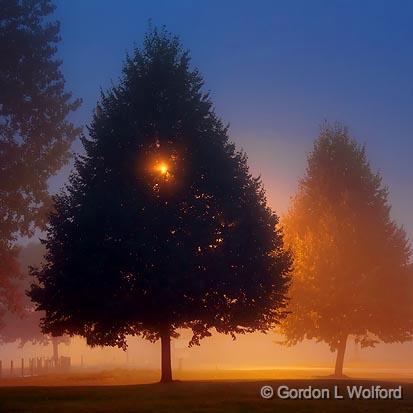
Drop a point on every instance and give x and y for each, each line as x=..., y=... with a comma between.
x=350, y=274
x=35, y=135
x=162, y=225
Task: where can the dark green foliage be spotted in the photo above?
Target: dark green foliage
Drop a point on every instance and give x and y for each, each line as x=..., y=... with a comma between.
x=133, y=251
x=35, y=136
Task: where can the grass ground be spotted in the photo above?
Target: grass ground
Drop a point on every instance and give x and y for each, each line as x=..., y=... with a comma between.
x=181, y=397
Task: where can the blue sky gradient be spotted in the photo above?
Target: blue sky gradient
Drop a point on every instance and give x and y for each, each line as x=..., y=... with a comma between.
x=276, y=70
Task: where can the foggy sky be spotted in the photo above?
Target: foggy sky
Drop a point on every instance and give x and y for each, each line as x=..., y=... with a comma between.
x=276, y=70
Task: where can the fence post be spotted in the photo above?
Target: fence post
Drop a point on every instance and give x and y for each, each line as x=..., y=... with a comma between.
x=22, y=367
x=11, y=367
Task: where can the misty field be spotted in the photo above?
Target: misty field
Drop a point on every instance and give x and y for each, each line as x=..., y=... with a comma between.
x=189, y=397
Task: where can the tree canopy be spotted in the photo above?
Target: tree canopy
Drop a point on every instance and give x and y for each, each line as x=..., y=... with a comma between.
x=351, y=274
x=35, y=136
x=162, y=225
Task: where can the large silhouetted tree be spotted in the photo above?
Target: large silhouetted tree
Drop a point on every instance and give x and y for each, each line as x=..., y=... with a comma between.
x=162, y=225
x=34, y=134
x=351, y=273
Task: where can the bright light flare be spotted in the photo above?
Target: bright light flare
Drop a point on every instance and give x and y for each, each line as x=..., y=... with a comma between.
x=162, y=168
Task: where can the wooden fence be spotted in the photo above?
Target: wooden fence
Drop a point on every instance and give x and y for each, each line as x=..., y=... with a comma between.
x=34, y=366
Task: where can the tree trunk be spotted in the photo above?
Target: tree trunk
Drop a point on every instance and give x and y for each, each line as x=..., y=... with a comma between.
x=341, y=350
x=166, y=376
x=55, y=344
